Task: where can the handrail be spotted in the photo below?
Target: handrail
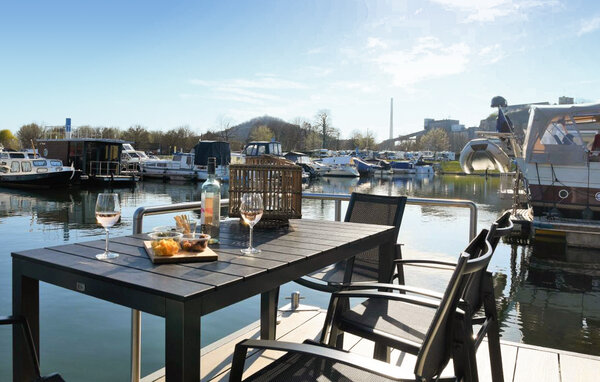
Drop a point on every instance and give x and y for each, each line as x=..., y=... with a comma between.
x=138, y=218
x=338, y=198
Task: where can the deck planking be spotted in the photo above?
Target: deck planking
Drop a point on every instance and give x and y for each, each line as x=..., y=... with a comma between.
x=520, y=362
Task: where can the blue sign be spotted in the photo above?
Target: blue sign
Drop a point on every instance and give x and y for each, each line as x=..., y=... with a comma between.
x=68, y=125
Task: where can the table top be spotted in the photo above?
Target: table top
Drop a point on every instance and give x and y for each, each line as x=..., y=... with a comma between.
x=287, y=253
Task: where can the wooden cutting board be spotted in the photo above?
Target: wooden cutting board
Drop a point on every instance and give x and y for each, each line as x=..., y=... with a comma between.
x=181, y=256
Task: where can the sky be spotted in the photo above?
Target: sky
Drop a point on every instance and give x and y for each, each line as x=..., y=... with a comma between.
x=204, y=64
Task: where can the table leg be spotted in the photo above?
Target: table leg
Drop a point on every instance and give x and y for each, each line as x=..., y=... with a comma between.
x=182, y=342
x=268, y=314
x=25, y=303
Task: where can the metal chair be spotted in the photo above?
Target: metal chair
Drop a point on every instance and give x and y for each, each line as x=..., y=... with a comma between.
x=12, y=320
x=478, y=292
x=440, y=339
x=369, y=209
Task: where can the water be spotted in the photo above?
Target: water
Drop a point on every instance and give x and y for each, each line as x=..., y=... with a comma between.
x=542, y=298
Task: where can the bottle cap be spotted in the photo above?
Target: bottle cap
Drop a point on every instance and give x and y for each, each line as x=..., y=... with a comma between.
x=212, y=164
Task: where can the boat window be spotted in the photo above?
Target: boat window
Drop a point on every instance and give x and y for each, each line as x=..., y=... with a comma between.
x=39, y=163
x=26, y=166
x=134, y=155
x=176, y=158
x=4, y=169
x=42, y=170
x=15, y=166
x=56, y=163
x=4, y=156
x=561, y=132
x=261, y=149
x=141, y=154
x=17, y=155
x=188, y=160
x=31, y=156
x=161, y=165
x=251, y=150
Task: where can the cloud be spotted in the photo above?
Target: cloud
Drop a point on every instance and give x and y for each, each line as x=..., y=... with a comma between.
x=491, y=54
x=271, y=83
x=374, y=42
x=315, y=51
x=260, y=90
x=490, y=10
x=589, y=26
x=428, y=59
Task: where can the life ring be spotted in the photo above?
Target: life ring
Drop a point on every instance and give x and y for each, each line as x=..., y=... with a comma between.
x=563, y=194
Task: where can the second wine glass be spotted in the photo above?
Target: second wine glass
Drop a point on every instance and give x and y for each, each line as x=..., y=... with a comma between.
x=251, y=209
x=108, y=212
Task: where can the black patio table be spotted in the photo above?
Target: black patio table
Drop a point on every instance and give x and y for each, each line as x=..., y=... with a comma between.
x=183, y=292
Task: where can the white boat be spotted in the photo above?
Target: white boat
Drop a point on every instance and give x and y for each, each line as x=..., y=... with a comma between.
x=179, y=168
x=341, y=166
x=25, y=169
x=131, y=159
x=561, y=173
x=191, y=166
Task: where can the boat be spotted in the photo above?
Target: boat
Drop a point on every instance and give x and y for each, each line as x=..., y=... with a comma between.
x=192, y=166
x=179, y=168
x=131, y=159
x=20, y=169
x=403, y=167
x=484, y=154
x=342, y=166
x=98, y=159
x=311, y=168
x=366, y=169
x=206, y=149
x=558, y=158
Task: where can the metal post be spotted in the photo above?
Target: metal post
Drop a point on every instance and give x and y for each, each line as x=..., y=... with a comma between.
x=136, y=345
x=338, y=210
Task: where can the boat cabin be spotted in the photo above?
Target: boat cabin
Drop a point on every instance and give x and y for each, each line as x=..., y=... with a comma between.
x=258, y=148
x=206, y=149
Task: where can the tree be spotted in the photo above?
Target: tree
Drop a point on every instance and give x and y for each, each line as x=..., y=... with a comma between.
x=85, y=131
x=261, y=133
x=323, y=123
x=28, y=133
x=435, y=140
x=8, y=140
x=139, y=135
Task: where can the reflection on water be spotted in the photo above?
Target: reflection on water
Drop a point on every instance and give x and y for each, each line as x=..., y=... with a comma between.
x=545, y=296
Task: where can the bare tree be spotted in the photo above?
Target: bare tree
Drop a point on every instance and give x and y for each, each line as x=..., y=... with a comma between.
x=29, y=133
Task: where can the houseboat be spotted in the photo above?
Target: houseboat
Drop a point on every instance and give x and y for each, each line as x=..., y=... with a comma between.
x=20, y=169
x=98, y=159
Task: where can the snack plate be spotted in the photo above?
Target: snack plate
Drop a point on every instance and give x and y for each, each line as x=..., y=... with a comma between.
x=181, y=256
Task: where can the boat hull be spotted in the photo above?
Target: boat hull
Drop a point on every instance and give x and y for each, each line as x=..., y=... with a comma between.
x=45, y=180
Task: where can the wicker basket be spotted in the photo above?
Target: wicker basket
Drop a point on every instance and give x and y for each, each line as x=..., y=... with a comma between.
x=277, y=180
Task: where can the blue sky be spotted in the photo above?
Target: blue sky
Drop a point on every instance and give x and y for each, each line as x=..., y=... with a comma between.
x=164, y=64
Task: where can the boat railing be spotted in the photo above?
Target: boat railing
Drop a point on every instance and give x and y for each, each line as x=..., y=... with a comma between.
x=104, y=168
x=141, y=212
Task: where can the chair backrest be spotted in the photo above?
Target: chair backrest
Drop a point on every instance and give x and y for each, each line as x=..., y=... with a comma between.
x=472, y=292
x=372, y=209
x=436, y=349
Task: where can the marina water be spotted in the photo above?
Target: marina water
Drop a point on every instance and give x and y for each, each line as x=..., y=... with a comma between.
x=544, y=296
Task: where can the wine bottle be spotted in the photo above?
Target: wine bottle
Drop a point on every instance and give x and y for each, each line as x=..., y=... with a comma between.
x=211, y=203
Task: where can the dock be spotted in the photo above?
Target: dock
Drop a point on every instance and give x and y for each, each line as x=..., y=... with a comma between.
x=520, y=362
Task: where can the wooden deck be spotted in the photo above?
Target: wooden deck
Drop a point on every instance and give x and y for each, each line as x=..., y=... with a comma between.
x=521, y=362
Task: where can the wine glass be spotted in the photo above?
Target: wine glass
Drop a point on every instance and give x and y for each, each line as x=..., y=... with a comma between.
x=108, y=212
x=251, y=210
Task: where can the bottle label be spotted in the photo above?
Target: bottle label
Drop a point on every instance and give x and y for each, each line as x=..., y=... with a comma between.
x=207, y=208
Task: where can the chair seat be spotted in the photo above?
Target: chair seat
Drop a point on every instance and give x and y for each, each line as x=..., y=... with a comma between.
x=294, y=367
x=377, y=319
x=334, y=274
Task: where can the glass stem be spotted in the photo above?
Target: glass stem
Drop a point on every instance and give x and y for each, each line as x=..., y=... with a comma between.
x=251, y=230
x=106, y=246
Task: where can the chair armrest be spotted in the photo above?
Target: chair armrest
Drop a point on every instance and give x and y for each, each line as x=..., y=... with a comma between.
x=437, y=264
x=367, y=364
x=10, y=320
x=404, y=288
x=422, y=301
